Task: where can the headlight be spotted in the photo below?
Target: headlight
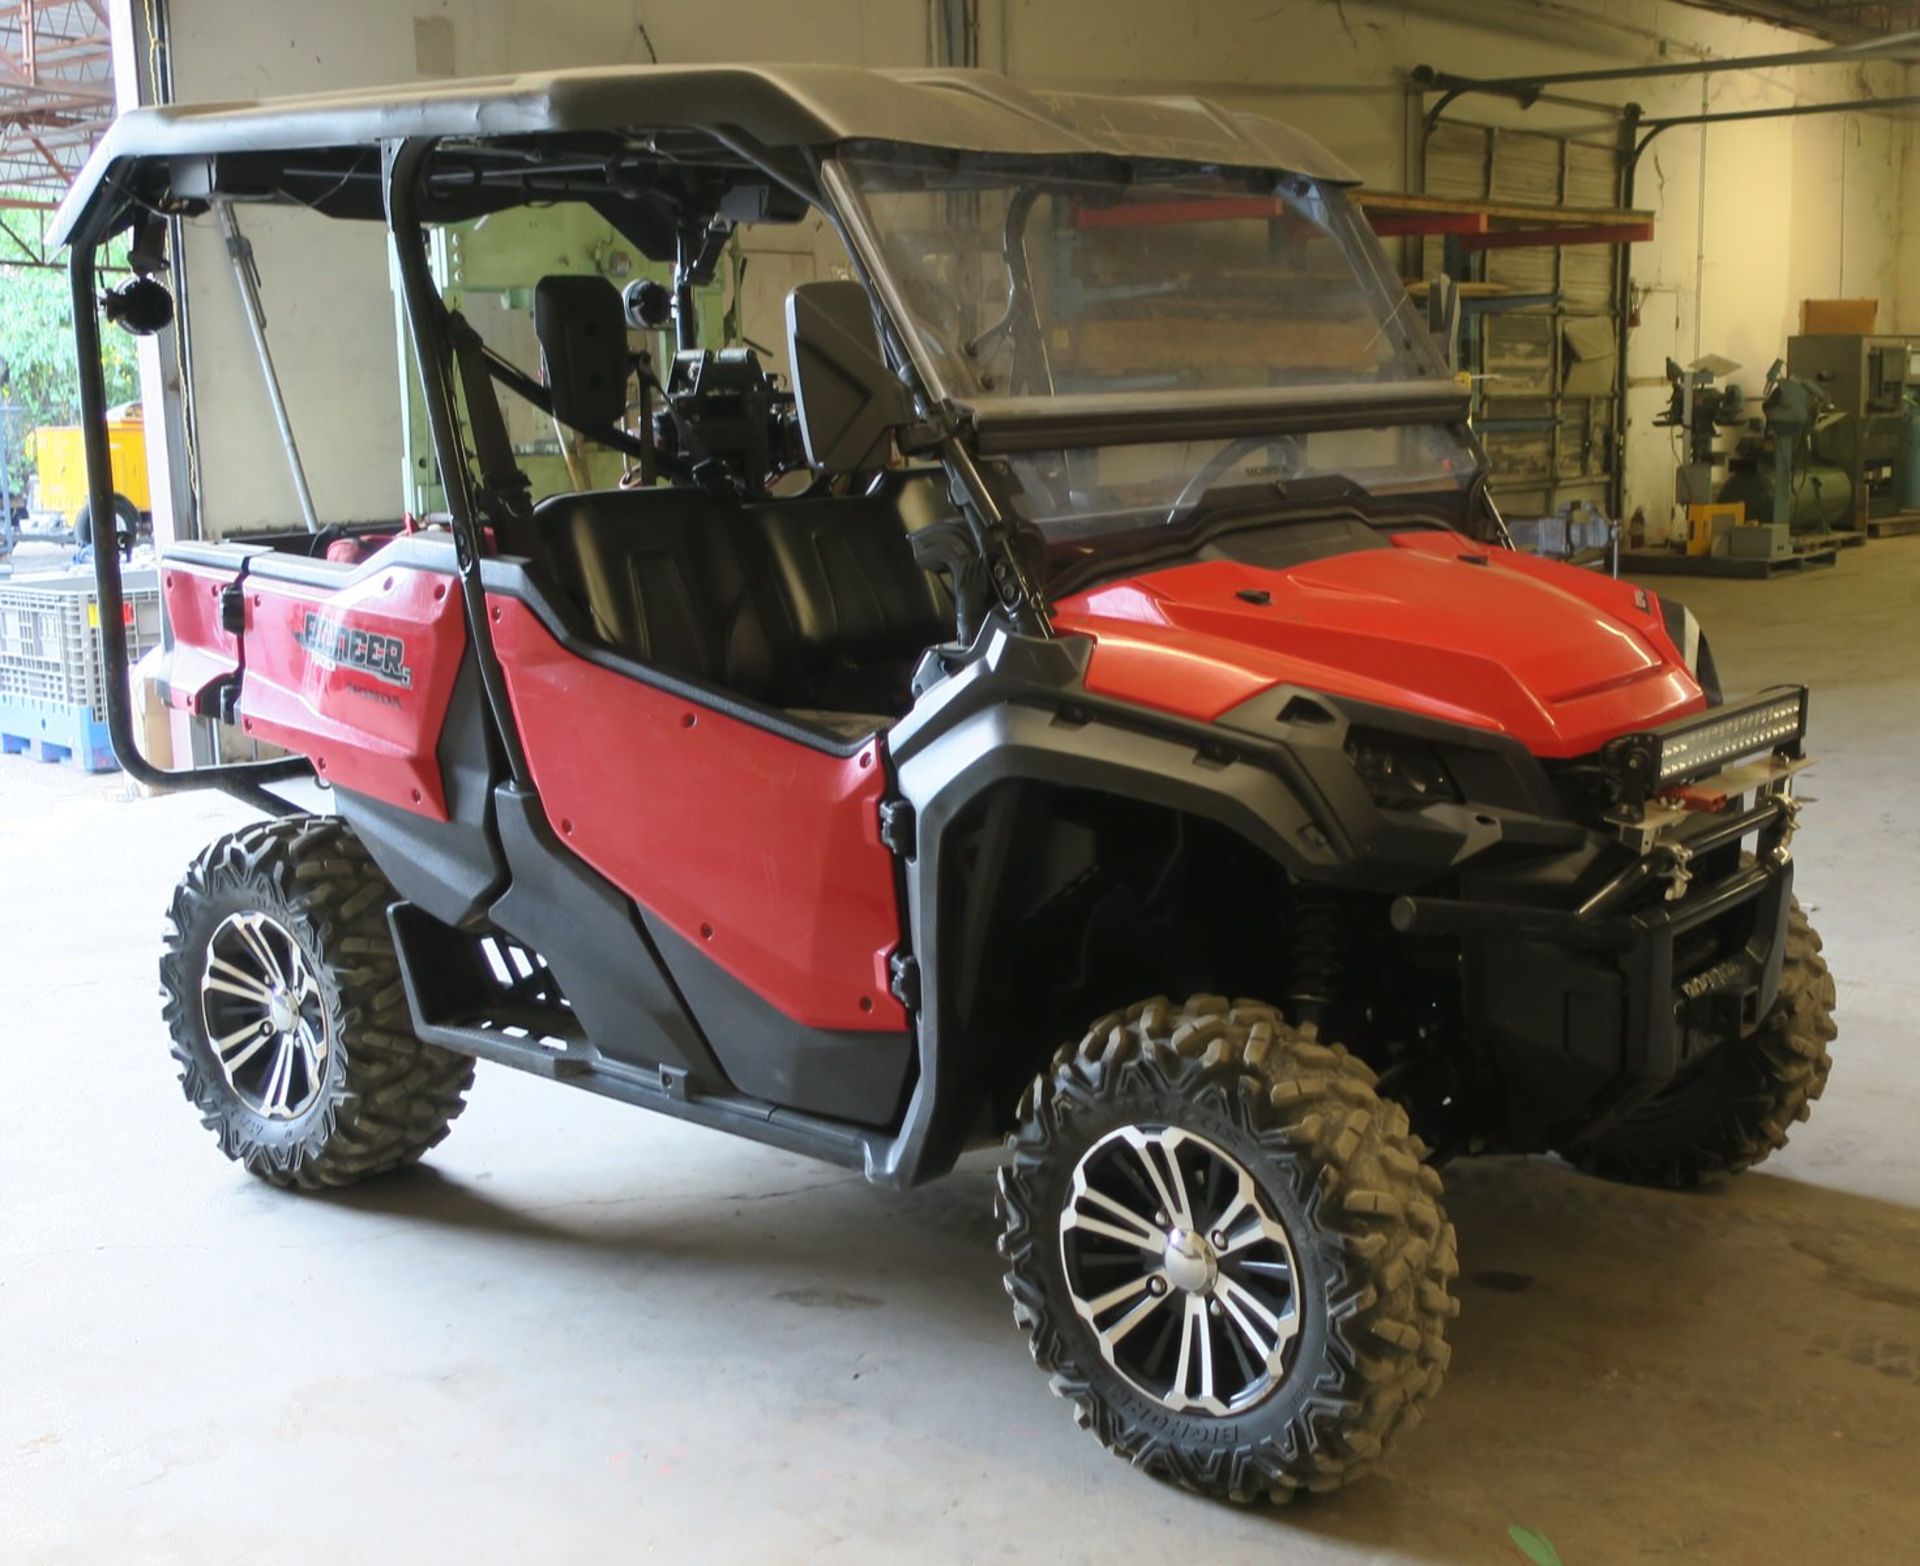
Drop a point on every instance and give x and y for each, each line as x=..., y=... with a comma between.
x=1399, y=775
x=1643, y=764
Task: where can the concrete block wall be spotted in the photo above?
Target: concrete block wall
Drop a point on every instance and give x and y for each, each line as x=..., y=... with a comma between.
x=1752, y=217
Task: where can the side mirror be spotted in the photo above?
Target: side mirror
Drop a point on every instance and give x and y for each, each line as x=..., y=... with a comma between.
x=848, y=399
x=583, y=337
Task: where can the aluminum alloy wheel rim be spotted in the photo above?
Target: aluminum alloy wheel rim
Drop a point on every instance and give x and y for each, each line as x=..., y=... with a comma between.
x=265, y=1019
x=1180, y=1268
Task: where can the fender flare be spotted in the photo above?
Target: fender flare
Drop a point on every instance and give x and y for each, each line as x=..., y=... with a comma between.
x=972, y=733
x=1273, y=771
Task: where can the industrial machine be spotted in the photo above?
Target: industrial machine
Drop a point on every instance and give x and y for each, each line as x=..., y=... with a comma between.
x=1784, y=473
x=1865, y=379
x=1702, y=409
x=60, y=476
x=1906, y=483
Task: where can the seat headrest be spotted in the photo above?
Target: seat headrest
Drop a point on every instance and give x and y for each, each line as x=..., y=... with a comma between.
x=849, y=401
x=583, y=337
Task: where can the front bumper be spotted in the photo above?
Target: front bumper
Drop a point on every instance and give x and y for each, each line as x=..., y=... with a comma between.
x=1607, y=990
x=1587, y=1012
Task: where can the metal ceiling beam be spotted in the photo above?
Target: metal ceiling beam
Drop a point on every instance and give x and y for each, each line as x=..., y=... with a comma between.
x=30, y=255
x=1826, y=13
x=61, y=133
x=1823, y=21
x=1652, y=128
x=58, y=51
x=47, y=152
x=55, y=114
x=56, y=95
x=73, y=87
x=1528, y=90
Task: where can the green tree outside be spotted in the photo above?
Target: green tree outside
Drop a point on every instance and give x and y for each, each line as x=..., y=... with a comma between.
x=39, y=383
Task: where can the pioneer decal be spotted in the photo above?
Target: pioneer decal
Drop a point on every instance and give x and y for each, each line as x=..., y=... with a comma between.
x=336, y=646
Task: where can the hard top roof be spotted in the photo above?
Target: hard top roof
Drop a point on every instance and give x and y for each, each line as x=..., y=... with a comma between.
x=785, y=106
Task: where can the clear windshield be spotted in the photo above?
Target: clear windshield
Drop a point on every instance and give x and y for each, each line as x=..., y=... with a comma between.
x=1025, y=277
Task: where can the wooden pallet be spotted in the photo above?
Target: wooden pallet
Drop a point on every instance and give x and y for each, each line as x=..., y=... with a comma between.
x=1895, y=526
x=1666, y=562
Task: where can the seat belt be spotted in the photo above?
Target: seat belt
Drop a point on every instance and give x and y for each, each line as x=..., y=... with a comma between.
x=505, y=494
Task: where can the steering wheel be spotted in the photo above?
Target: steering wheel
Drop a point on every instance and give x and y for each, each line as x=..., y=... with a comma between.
x=1219, y=463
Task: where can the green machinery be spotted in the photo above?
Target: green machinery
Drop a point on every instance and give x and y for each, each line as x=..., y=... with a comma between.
x=1788, y=470
x=1866, y=379
x=1907, y=483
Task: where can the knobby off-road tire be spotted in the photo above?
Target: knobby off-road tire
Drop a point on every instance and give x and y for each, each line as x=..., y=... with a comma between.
x=299, y=899
x=1372, y=1254
x=1738, y=1105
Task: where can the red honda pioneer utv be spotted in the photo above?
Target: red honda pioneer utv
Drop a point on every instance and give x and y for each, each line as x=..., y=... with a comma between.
x=1095, y=708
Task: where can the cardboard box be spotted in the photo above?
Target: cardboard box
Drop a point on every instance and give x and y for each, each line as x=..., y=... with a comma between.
x=1838, y=317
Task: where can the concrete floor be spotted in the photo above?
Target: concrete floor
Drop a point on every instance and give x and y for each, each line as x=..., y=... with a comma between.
x=583, y=1333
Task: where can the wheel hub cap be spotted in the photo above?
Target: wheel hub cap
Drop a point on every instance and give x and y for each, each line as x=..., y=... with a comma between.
x=1190, y=1263
x=265, y=1018
x=1180, y=1266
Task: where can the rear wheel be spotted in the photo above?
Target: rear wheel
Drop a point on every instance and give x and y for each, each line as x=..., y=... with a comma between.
x=1738, y=1105
x=288, y=1017
x=1226, y=1249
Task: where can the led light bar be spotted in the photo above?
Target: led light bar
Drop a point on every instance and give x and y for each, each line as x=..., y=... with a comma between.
x=1643, y=764
x=1703, y=747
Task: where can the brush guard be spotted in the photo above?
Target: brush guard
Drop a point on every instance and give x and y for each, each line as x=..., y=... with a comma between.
x=1602, y=985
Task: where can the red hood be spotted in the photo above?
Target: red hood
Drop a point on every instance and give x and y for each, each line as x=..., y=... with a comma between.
x=1560, y=659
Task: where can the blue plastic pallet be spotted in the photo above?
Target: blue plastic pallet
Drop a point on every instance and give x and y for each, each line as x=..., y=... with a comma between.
x=56, y=733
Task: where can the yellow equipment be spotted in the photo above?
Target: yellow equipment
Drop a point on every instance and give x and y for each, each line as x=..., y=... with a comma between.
x=1706, y=521
x=60, y=463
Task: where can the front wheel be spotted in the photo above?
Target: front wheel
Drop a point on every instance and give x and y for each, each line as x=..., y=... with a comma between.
x=1226, y=1249
x=289, y=1020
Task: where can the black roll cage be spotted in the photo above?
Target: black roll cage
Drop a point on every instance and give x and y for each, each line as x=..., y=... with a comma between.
x=405, y=168
x=424, y=179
